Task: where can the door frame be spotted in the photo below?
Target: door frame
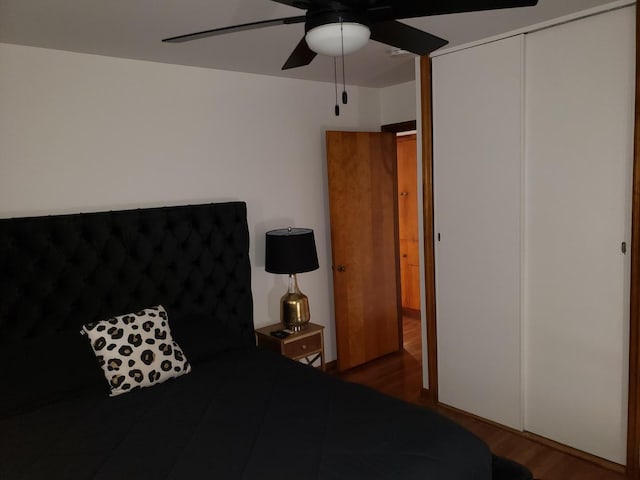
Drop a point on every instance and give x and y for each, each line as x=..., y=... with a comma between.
x=633, y=415
x=429, y=280
x=400, y=127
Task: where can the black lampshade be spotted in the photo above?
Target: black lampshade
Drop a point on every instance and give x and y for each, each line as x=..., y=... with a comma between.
x=291, y=250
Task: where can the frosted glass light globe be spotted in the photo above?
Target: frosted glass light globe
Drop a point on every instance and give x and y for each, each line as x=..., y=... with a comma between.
x=328, y=39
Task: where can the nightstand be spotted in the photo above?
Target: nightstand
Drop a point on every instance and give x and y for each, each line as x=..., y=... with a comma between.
x=307, y=345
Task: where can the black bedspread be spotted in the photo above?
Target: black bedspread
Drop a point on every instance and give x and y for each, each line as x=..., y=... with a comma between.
x=244, y=414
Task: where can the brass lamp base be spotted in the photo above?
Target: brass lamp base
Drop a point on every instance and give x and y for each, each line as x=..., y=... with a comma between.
x=294, y=307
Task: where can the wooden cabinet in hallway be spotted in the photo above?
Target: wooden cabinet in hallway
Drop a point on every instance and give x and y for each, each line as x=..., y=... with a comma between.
x=408, y=221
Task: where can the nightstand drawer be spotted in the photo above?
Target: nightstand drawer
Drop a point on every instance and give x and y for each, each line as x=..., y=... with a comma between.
x=303, y=346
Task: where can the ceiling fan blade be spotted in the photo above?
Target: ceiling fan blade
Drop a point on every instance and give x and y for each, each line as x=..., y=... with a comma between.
x=234, y=28
x=303, y=4
x=405, y=37
x=314, y=4
x=411, y=9
x=302, y=55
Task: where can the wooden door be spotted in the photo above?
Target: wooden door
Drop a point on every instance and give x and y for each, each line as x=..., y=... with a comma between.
x=362, y=197
x=408, y=222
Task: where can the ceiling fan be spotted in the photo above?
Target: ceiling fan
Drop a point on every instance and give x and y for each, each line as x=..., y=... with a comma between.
x=340, y=27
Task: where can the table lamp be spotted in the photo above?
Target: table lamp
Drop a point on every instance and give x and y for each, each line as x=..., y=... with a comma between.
x=292, y=251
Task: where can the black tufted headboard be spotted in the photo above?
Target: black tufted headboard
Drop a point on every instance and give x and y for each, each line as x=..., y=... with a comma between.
x=59, y=272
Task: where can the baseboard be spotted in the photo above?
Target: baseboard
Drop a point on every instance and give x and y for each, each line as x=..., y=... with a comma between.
x=426, y=397
x=331, y=367
x=410, y=312
x=574, y=452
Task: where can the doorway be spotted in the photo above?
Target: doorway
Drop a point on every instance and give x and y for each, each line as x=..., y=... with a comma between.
x=408, y=239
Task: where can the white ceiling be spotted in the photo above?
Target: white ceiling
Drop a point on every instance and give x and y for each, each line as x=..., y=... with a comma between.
x=134, y=28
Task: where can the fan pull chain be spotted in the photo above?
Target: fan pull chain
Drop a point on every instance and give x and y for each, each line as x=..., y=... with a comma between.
x=335, y=83
x=344, y=87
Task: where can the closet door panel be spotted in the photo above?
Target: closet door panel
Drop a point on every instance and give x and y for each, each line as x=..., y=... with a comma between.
x=477, y=110
x=579, y=118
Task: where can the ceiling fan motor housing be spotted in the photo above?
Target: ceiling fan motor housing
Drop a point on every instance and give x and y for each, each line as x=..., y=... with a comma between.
x=317, y=18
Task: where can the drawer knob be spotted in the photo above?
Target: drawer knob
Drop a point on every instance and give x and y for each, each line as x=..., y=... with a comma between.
x=304, y=347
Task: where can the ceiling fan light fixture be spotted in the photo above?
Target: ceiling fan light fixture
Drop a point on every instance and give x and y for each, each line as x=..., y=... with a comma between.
x=328, y=39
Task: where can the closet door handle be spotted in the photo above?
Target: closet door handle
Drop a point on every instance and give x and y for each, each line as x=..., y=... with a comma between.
x=341, y=268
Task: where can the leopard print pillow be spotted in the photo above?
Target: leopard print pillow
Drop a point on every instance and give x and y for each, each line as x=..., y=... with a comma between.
x=136, y=350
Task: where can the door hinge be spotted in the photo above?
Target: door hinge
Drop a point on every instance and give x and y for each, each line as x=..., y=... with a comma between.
x=623, y=247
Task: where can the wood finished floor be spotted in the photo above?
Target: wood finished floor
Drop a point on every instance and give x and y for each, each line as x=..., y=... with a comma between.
x=400, y=375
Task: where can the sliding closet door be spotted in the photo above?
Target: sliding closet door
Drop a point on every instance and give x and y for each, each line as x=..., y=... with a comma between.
x=477, y=110
x=579, y=139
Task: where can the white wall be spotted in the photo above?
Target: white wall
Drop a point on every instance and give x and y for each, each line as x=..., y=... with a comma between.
x=81, y=132
x=398, y=103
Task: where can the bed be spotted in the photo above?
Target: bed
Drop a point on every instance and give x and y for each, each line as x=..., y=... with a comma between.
x=239, y=413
